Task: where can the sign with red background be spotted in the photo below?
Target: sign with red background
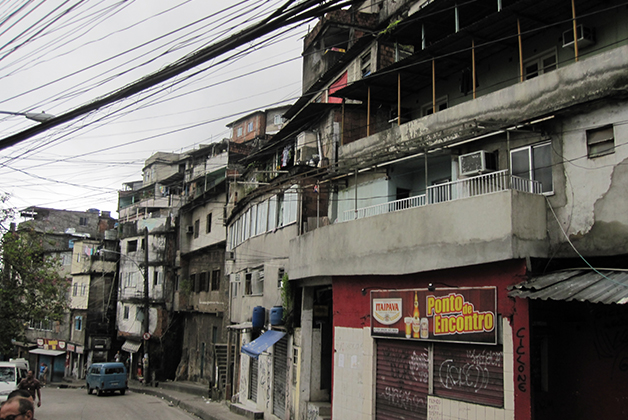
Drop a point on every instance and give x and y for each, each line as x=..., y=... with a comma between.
x=463, y=315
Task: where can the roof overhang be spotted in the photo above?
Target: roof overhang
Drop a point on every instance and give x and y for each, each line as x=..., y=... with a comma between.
x=584, y=285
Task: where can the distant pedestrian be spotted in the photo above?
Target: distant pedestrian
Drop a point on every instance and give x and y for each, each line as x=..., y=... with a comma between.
x=118, y=357
x=32, y=385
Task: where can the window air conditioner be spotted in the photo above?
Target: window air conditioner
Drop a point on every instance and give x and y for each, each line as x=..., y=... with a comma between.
x=476, y=163
x=189, y=229
x=586, y=37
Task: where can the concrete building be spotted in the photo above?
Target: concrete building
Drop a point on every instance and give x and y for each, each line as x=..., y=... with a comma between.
x=55, y=342
x=148, y=211
x=93, y=302
x=201, y=292
x=480, y=158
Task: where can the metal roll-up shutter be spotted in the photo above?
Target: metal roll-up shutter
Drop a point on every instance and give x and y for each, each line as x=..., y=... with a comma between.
x=469, y=373
x=280, y=371
x=253, y=380
x=402, y=380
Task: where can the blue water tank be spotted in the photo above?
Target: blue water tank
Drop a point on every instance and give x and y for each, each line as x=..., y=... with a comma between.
x=259, y=316
x=276, y=315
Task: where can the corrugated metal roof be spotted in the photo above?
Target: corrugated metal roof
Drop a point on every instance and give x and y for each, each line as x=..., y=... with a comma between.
x=601, y=286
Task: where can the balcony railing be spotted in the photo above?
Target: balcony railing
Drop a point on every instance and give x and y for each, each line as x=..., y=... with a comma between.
x=464, y=188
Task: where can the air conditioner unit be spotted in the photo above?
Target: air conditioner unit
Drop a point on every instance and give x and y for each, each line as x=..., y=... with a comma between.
x=230, y=255
x=586, y=37
x=189, y=229
x=476, y=163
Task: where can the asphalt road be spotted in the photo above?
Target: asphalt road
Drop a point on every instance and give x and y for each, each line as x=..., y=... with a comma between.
x=75, y=404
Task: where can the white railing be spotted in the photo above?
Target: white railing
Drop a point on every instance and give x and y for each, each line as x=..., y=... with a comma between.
x=464, y=188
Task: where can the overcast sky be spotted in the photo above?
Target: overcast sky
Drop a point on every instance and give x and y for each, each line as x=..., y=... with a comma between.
x=57, y=55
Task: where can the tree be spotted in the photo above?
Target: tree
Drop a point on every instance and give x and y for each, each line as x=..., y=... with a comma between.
x=31, y=287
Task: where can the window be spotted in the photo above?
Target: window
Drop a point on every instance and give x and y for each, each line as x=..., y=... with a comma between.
x=534, y=163
x=215, y=280
x=365, y=64
x=83, y=221
x=247, y=283
x=278, y=119
x=208, y=224
x=280, y=273
x=75, y=289
x=131, y=246
x=239, y=131
x=197, y=225
x=214, y=334
x=428, y=109
x=78, y=323
x=249, y=127
x=155, y=278
x=126, y=312
x=540, y=64
x=203, y=282
x=600, y=141
x=194, y=283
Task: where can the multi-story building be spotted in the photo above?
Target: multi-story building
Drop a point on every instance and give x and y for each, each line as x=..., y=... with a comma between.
x=201, y=293
x=55, y=342
x=478, y=155
x=148, y=211
x=93, y=301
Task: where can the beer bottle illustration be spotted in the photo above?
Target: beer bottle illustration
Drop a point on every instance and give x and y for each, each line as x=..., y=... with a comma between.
x=416, y=318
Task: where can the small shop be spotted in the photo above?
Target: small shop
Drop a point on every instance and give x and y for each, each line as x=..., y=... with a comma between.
x=435, y=343
x=53, y=354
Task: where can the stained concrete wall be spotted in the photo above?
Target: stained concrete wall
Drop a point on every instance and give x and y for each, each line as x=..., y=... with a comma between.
x=476, y=230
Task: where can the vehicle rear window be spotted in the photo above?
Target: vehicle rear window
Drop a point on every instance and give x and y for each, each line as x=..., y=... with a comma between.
x=109, y=371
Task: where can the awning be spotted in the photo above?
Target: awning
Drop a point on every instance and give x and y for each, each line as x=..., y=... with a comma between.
x=596, y=286
x=131, y=346
x=243, y=326
x=47, y=352
x=257, y=346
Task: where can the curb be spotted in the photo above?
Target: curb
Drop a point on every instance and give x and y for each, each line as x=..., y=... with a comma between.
x=176, y=402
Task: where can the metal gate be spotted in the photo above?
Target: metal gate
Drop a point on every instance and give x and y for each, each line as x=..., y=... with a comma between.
x=280, y=370
x=402, y=380
x=253, y=379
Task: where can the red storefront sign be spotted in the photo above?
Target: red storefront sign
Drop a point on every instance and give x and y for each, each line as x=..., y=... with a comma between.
x=462, y=315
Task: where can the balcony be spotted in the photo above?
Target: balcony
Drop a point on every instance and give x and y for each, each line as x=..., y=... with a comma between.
x=473, y=221
x=465, y=188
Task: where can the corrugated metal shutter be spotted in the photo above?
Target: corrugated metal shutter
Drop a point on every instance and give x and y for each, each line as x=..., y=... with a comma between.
x=402, y=380
x=253, y=379
x=280, y=370
x=469, y=373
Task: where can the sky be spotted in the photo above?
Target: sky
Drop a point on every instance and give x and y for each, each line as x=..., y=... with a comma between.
x=58, y=55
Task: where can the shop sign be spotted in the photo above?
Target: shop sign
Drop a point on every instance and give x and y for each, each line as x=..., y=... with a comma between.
x=79, y=349
x=50, y=344
x=71, y=347
x=462, y=315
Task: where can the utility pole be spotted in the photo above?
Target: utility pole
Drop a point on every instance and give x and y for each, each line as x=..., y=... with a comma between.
x=146, y=311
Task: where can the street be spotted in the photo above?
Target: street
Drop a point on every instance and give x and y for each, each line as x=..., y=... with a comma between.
x=74, y=403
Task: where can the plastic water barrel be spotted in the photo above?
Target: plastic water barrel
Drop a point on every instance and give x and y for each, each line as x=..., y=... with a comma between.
x=276, y=315
x=259, y=316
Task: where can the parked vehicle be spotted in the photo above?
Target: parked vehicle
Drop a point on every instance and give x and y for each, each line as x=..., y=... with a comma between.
x=11, y=373
x=106, y=377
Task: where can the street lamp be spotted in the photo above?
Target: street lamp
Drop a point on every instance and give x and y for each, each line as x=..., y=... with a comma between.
x=35, y=116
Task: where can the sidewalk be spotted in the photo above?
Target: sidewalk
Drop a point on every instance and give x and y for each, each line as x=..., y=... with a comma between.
x=188, y=396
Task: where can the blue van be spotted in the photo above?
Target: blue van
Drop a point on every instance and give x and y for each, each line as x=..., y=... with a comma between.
x=106, y=377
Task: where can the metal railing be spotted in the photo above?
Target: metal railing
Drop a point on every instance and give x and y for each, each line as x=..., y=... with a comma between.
x=449, y=191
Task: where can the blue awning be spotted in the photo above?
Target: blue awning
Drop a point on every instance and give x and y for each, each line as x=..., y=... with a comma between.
x=257, y=346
